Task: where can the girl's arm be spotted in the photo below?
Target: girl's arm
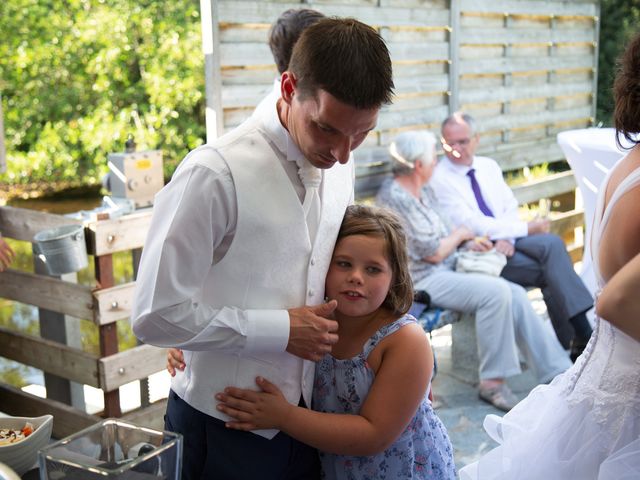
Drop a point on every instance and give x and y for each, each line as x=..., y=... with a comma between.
x=399, y=386
x=619, y=302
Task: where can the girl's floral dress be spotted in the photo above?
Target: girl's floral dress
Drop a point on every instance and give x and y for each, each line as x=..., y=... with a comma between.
x=423, y=450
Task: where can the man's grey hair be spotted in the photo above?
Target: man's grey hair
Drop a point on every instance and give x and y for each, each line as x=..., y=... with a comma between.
x=410, y=146
x=459, y=117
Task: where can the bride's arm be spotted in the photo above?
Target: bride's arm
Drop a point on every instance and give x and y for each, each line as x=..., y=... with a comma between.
x=619, y=301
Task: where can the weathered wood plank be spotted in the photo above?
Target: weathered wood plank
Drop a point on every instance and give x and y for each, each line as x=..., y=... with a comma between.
x=526, y=154
x=114, y=303
x=267, y=12
x=550, y=186
x=481, y=36
x=522, y=64
x=46, y=292
x=66, y=420
x=150, y=417
x=23, y=224
x=546, y=117
x=565, y=221
x=389, y=120
x=530, y=7
x=129, y=365
x=523, y=92
x=52, y=357
x=124, y=233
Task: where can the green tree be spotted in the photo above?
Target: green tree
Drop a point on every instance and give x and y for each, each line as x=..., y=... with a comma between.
x=78, y=76
x=620, y=19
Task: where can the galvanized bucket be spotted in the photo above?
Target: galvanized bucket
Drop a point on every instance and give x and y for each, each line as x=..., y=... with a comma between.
x=62, y=249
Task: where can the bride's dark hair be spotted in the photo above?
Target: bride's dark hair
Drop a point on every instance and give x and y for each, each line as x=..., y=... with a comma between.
x=626, y=91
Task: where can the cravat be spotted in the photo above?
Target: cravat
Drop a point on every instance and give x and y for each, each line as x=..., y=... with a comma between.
x=478, y=194
x=311, y=178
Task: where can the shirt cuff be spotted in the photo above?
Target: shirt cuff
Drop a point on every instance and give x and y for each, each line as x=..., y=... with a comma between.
x=267, y=330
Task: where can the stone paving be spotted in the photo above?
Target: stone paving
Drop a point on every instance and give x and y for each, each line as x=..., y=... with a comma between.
x=456, y=399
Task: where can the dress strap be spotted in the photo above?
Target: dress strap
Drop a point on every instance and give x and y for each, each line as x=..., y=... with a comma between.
x=385, y=331
x=602, y=214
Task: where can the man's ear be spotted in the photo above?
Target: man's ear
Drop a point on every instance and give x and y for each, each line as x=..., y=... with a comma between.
x=287, y=86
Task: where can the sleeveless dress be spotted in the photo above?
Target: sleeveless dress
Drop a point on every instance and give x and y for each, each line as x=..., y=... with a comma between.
x=586, y=423
x=423, y=450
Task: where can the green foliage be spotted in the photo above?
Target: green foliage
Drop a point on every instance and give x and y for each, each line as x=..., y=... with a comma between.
x=78, y=76
x=620, y=19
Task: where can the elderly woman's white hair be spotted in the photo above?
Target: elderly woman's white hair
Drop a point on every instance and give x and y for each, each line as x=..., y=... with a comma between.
x=410, y=146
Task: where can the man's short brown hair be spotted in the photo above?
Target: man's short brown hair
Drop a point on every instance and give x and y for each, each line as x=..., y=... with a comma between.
x=347, y=59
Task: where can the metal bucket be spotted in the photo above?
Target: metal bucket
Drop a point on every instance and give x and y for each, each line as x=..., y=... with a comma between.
x=62, y=249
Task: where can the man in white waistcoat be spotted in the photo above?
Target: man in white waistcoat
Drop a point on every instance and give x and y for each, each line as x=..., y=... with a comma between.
x=235, y=259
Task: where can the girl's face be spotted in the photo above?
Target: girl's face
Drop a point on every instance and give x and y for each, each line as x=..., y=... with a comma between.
x=359, y=275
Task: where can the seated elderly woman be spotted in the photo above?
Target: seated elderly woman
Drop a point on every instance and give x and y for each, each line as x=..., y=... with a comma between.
x=505, y=319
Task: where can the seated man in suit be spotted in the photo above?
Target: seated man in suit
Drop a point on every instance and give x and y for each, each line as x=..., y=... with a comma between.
x=473, y=192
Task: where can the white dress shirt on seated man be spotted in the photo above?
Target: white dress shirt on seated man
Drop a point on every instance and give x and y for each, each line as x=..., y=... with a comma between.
x=450, y=183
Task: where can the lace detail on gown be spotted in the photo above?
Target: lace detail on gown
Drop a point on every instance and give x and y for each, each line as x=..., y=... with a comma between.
x=586, y=423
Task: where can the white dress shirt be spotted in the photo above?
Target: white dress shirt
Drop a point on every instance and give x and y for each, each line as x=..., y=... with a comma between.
x=453, y=190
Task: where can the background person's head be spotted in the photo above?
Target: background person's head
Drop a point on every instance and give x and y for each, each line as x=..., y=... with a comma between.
x=286, y=30
x=338, y=79
x=626, y=90
x=381, y=223
x=459, y=138
x=413, y=152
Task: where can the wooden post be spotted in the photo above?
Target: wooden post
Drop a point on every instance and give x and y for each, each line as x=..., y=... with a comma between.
x=454, y=56
x=108, y=333
x=212, y=78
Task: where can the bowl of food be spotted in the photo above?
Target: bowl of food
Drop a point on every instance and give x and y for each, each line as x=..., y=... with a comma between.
x=21, y=438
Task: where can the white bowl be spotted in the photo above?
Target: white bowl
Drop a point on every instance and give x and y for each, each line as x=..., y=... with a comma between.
x=23, y=455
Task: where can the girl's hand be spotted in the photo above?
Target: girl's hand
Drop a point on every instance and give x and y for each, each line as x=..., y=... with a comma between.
x=253, y=410
x=175, y=361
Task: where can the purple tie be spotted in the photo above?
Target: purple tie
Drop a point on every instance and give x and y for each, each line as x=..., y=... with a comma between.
x=476, y=191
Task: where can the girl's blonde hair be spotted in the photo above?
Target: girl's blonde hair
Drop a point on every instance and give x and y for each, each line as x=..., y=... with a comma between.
x=381, y=222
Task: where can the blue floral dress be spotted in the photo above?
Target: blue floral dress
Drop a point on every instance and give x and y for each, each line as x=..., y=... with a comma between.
x=423, y=450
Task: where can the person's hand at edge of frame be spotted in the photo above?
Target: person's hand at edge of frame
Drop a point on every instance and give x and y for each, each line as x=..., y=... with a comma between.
x=175, y=361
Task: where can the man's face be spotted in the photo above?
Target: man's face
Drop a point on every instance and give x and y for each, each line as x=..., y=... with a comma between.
x=458, y=143
x=324, y=129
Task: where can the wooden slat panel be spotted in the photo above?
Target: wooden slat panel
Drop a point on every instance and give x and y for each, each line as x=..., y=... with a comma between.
x=150, y=417
x=46, y=292
x=565, y=221
x=548, y=187
x=133, y=364
x=267, y=12
x=52, y=357
x=514, y=156
x=506, y=122
x=522, y=64
x=388, y=120
x=418, y=51
x=124, y=233
x=529, y=7
x=524, y=92
x=66, y=420
x=472, y=35
x=23, y=224
x=113, y=304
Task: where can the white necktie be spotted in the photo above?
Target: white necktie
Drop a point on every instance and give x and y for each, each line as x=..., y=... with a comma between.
x=311, y=178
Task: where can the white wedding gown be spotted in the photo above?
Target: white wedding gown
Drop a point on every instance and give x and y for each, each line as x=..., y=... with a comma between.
x=586, y=423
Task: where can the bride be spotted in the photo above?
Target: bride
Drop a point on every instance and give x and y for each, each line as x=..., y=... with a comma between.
x=586, y=423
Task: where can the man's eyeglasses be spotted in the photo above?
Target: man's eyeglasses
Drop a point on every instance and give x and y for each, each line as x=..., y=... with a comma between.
x=463, y=143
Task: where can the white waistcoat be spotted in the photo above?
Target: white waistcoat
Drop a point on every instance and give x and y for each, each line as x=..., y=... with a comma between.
x=269, y=265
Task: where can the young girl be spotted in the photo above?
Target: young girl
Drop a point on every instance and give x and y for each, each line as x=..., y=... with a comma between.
x=372, y=418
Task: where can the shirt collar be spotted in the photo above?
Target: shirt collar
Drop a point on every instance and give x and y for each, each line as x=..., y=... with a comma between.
x=280, y=136
x=461, y=170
